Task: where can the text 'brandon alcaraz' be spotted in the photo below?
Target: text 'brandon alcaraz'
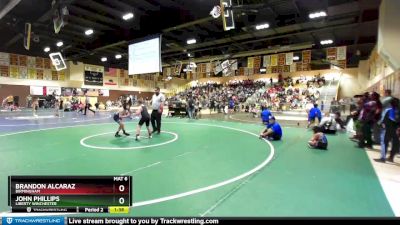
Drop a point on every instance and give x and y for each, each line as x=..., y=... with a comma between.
x=35, y=188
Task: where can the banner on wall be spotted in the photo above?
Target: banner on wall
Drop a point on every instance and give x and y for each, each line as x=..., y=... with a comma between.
x=289, y=58
x=39, y=62
x=293, y=67
x=23, y=72
x=331, y=54
x=39, y=74
x=51, y=90
x=36, y=90
x=23, y=60
x=341, y=53
x=14, y=71
x=14, y=60
x=306, y=56
x=104, y=92
x=257, y=62
x=4, y=71
x=47, y=63
x=274, y=60
x=250, y=62
x=4, y=59
x=93, y=78
x=281, y=59
x=266, y=60
x=31, y=62
x=208, y=68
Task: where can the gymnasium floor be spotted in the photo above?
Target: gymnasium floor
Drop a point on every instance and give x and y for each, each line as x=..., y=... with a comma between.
x=215, y=166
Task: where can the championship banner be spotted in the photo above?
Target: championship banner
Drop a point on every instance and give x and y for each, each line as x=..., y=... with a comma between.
x=257, y=62
x=23, y=60
x=14, y=71
x=299, y=66
x=31, y=62
x=342, y=64
x=208, y=68
x=250, y=62
x=61, y=75
x=39, y=74
x=269, y=69
x=47, y=74
x=39, y=63
x=274, y=60
x=306, y=56
x=331, y=54
x=293, y=67
x=241, y=71
x=169, y=69
x=306, y=67
x=289, y=58
x=274, y=69
x=286, y=69
x=4, y=71
x=23, y=72
x=341, y=53
x=14, y=60
x=250, y=71
x=31, y=73
x=266, y=60
x=54, y=75
x=47, y=63
x=4, y=59
x=203, y=68
x=281, y=59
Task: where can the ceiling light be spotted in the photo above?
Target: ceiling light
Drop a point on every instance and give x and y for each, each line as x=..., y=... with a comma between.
x=295, y=58
x=104, y=59
x=262, y=70
x=59, y=44
x=189, y=55
x=118, y=56
x=89, y=32
x=326, y=42
x=127, y=16
x=47, y=49
x=191, y=41
x=317, y=15
x=262, y=26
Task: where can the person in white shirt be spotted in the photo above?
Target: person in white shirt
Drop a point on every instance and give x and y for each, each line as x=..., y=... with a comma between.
x=157, y=104
x=328, y=124
x=88, y=105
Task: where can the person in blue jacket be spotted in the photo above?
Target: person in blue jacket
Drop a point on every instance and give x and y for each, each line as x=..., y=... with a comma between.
x=313, y=114
x=265, y=114
x=273, y=130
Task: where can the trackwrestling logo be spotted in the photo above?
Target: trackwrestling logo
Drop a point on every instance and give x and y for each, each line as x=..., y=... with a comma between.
x=9, y=220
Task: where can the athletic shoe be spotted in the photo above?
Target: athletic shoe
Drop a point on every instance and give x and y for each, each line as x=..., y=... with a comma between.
x=390, y=159
x=150, y=137
x=380, y=160
x=136, y=139
x=117, y=135
x=126, y=134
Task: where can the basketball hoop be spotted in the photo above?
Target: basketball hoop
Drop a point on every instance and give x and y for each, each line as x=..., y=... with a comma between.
x=216, y=12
